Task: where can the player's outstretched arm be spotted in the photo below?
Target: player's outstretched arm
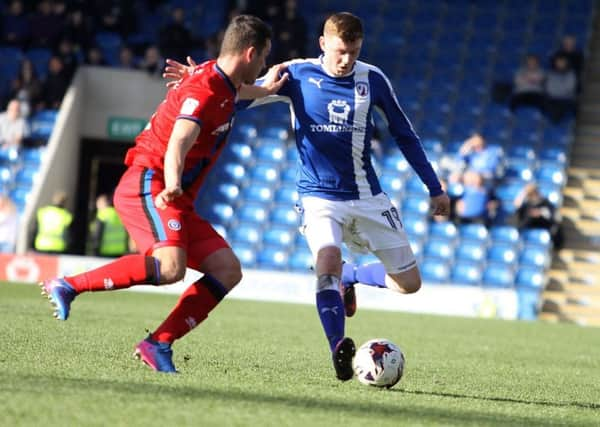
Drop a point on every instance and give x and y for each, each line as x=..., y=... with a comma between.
x=269, y=84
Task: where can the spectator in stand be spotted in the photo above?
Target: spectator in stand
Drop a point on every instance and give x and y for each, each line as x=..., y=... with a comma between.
x=13, y=126
x=27, y=88
x=46, y=26
x=477, y=156
x=175, y=39
x=53, y=225
x=79, y=29
x=477, y=203
x=9, y=222
x=561, y=90
x=528, y=89
x=536, y=211
x=15, y=25
x=152, y=62
x=127, y=59
x=66, y=52
x=115, y=16
x=55, y=85
x=95, y=57
x=568, y=48
x=290, y=34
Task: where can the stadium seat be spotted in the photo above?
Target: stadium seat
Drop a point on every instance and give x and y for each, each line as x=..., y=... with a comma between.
x=226, y=192
x=471, y=250
x=435, y=270
x=271, y=151
x=234, y=172
x=273, y=258
x=530, y=277
x=264, y=173
x=503, y=252
x=443, y=230
x=477, y=232
x=9, y=156
x=220, y=213
x=241, y=151
x=257, y=193
x=246, y=254
x=244, y=232
x=439, y=249
x=286, y=194
x=278, y=236
x=415, y=205
x=20, y=197
x=252, y=212
x=505, y=233
x=392, y=184
x=284, y=215
x=289, y=175
x=301, y=260
x=42, y=123
x=537, y=236
x=553, y=173
x=31, y=157
x=40, y=58
x=415, y=225
x=534, y=256
x=466, y=273
x=498, y=276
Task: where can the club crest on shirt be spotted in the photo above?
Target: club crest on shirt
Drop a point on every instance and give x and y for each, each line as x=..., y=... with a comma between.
x=189, y=106
x=174, y=225
x=362, y=89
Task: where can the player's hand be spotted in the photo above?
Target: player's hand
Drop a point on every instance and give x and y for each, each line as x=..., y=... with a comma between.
x=275, y=78
x=441, y=205
x=175, y=71
x=166, y=196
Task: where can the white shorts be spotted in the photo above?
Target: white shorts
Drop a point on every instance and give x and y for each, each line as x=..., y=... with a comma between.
x=366, y=225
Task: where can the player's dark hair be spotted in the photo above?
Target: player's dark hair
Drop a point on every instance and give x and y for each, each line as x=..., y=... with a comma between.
x=243, y=32
x=345, y=25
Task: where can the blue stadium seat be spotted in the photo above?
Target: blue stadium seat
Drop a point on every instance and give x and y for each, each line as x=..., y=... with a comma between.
x=534, y=256
x=537, y=236
x=553, y=173
x=477, y=232
x=415, y=205
x=110, y=45
x=272, y=258
x=435, y=270
x=246, y=254
x=522, y=169
x=286, y=194
x=553, y=192
x=42, y=123
x=32, y=157
x=242, y=132
x=252, y=212
x=40, y=58
x=503, y=252
x=415, y=225
x=226, y=192
x=9, y=156
x=279, y=236
x=530, y=277
x=392, y=184
x=439, y=249
x=20, y=197
x=274, y=132
x=443, y=230
x=471, y=250
x=466, y=273
x=26, y=177
x=263, y=173
x=498, y=276
x=244, y=232
x=241, y=151
x=553, y=154
x=301, y=260
x=220, y=213
x=284, y=215
x=257, y=193
x=505, y=233
x=271, y=151
x=289, y=175
x=234, y=171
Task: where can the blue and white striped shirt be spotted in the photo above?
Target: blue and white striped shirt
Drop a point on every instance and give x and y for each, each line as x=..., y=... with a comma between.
x=333, y=122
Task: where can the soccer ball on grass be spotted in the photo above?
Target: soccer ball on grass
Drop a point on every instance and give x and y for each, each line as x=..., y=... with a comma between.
x=379, y=362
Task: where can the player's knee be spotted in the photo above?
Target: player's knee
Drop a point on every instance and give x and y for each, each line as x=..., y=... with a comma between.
x=229, y=274
x=171, y=271
x=407, y=282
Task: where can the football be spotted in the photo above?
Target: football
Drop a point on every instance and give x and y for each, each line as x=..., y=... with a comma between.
x=379, y=362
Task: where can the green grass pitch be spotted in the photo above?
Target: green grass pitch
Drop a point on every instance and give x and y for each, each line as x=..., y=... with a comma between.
x=267, y=364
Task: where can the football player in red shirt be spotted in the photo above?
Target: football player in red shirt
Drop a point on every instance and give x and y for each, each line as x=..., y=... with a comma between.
x=155, y=196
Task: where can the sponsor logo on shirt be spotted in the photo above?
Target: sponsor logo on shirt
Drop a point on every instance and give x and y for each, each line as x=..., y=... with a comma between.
x=317, y=82
x=174, y=225
x=362, y=89
x=339, y=111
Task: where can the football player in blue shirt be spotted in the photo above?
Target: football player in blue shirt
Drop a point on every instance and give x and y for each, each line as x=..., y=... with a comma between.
x=332, y=100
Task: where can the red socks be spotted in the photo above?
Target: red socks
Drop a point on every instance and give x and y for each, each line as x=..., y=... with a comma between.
x=122, y=273
x=191, y=309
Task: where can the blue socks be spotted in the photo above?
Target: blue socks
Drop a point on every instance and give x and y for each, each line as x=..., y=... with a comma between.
x=368, y=274
x=331, y=308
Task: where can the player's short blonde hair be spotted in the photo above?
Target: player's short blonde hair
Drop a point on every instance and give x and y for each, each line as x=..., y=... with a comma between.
x=345, y=25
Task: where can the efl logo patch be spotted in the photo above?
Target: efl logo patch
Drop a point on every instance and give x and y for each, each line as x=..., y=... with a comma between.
x=189, y=106
x=174, y=225
x=362, y=89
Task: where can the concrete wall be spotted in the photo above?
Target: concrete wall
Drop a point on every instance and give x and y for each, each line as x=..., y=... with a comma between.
x=95, y=95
